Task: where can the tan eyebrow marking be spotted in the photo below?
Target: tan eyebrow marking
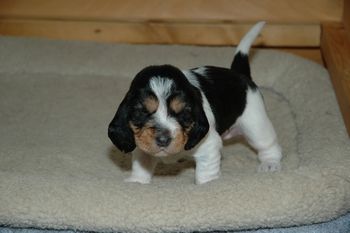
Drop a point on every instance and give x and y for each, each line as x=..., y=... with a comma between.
x=151, y=104
x=177, y=104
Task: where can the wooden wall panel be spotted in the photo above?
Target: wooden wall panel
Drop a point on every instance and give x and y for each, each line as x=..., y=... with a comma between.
x=278, y=11
x=336, y=51
x=291, y=23
x=163, y=33
x=346, y=17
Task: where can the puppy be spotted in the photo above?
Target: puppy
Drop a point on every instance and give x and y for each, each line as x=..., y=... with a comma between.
x=169, y=113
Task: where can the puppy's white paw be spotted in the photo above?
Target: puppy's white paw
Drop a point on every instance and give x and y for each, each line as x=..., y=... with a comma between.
x=141, y=180
x=206, y=179
x=272, y=166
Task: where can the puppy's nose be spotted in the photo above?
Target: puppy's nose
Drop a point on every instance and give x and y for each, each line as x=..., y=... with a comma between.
x=163, y=139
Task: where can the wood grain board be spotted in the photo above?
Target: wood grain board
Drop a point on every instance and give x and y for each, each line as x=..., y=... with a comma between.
x=346, y=17
x=291, y=23
x=163, y=33
x=336, y=51
x=277, y=11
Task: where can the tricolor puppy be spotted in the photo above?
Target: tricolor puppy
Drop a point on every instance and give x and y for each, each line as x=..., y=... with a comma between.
x=168, y=112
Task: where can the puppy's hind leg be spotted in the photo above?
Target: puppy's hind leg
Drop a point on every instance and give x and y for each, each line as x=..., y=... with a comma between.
x=259, y=132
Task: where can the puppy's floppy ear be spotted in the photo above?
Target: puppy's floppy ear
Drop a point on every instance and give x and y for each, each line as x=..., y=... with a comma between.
x=200, y=125
x=119, y=130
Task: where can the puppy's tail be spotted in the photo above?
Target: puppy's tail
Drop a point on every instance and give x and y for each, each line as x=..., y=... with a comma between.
x=240, y=61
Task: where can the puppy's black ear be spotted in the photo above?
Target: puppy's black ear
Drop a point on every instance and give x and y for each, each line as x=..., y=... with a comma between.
x=201, y=125
x=119, y=130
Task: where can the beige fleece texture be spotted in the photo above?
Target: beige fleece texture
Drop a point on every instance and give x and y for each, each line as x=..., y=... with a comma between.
x=58, y=168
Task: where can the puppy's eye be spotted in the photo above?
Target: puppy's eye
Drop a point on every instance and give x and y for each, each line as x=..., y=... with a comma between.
x=139, y=115
x=185, y=117
x=186, y=112
x=187, y=109
x=139, y=109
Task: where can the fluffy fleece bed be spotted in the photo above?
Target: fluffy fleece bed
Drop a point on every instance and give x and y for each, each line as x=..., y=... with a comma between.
x=58, y=169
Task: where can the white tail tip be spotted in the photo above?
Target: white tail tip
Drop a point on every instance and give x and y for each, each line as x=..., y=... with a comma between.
x=248, y=39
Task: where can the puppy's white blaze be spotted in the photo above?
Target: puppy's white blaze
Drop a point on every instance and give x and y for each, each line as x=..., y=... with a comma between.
x=162, y=89
x=161, y=86
x=247, y=41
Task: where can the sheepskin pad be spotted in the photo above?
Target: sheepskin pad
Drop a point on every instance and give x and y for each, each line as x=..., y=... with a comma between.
x=59, y=170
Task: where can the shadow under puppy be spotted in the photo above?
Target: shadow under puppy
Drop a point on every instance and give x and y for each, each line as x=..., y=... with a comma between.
x=169, y=113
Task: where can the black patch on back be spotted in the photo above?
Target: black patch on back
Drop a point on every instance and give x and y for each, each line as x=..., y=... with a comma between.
x=226, y=92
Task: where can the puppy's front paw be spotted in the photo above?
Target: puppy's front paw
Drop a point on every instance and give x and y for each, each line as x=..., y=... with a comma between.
x=206, y=179
x=135, y=179
x=272, y=166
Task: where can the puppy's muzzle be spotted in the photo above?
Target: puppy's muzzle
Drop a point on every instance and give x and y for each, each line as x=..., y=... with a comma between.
x=163, y=138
